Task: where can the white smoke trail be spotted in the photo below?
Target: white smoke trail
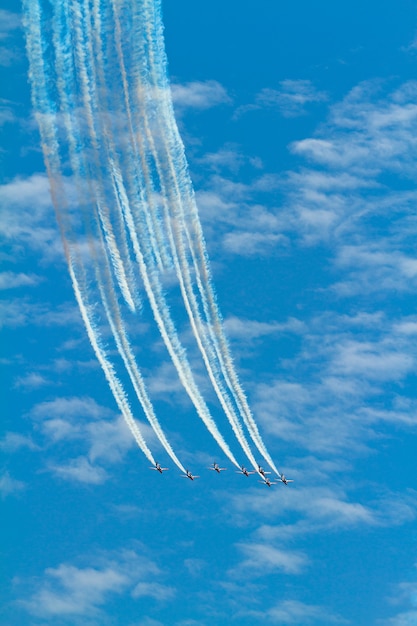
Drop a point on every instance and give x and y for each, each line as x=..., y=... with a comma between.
x=106, y=288
x=126, y=282
x=190, y=224
x=166, y=327
x=143, y=250
x=46, y=117
x=135, y=206
x=157, y=236
x=208, y=342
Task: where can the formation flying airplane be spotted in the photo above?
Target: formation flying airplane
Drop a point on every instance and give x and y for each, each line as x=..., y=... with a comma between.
x=267, y=482
x=189, y=475
x=285, y=480
x=244, y=471
x=217, y=469
x=159, y=469
x=262, y=471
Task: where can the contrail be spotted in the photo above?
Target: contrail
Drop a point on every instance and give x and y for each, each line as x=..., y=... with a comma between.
x=106, y=289
x=167, y=329
x=178, y=169
x=46, y=116
x=106, y=91
x=126, y=282
x=184, y=277
x=159, y=307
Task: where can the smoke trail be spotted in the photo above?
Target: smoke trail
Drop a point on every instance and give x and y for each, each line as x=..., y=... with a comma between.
x=172, y=200
x=143, y=250
x=167, y=329
x=129, y=158
x=106, y=288
x=46, y=117
x=126, y=282
x=178, y=179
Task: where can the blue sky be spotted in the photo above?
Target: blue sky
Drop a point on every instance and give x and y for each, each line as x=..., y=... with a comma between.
x=299, y=124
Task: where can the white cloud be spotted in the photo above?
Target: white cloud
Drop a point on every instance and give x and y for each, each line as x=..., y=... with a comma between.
x=262, y=559
x=12, y=442
x=92, y=430
x=252, y=244
x=81, y=470
x=69, y=591
x=291, y=99
x=242, y=227
x=295, y=612
x=30, y=381
x=27, y=218
x=72, y=407
x=404, y=595
x=9, y=22
x=371, y=360
x=247, y=330
x=109, y=440
x=153, y=590
x=13, y=280
x=199, y=95
x=9, y=485
x=7, y=114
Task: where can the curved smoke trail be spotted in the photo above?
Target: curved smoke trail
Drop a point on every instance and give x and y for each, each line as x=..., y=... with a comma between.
x=105, y=113
x=46, y=117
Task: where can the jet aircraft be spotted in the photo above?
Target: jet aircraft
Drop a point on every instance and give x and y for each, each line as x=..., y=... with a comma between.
x=244, y=471
x=267, y=482
x=217, y=469
x=159, y=469
x=189, y=475
x=285, y=480
x=262, y=471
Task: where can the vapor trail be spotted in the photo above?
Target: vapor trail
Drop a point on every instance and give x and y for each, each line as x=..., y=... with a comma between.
x=178, y=179
x=114, y=109
x=102, y=270
x=143, y=250
x=46, y=117
x=172, y=199
x=87, y=81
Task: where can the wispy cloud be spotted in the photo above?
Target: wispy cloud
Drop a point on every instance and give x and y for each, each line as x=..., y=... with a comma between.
x=71, y=590
x=262, y=559
x=12, y=442
x=199, y=95
x=80, y=425
x=9, y=485
x=22, y=311
x=81, y=470
x=9, y=23
x=241, y=225
x=291, y=98
x=295, y=612
x=154, y=590
x=404, y=595
x=13, y=280
x=27, y=218
x=30, y=381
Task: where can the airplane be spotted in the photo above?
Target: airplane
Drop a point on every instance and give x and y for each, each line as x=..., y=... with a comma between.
x=262, y=471
x=217, y=469
x=244, y=471
x=189, y=475
x=285, y=480
x=159, y=469
x=267, y=482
